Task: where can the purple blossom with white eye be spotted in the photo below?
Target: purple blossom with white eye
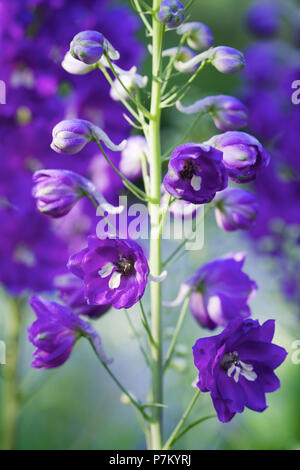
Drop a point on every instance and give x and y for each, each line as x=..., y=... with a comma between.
x=87, y=46
x=171, y=13
x=57, y=191
x=199, y=36
x=114, y=271
x=227, y=59
x=237, y=366
x=55, y=333
x=71, y=292
x=228, y=112
x=243, y=155
x=235, y=209
x=221, y=292
x=263, y=18
x=195, y=173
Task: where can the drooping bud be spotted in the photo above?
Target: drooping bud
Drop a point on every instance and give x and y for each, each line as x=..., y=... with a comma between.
x=171, y=13
x=87, y=46
x=131, y=80
x=182, y=56
x=199, y=36
x=227, y=59
x=228, y=112
x=74, y=66
x=72, y=135
x=243, y=155
x=236, y=209
x=57, y=191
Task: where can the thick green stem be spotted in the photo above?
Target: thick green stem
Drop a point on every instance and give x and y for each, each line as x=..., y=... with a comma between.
x=11, y=396
x=155, y=243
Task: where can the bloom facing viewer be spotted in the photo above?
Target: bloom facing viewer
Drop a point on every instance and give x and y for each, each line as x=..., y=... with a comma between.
x=237, y=366
x=195, y=173
x=114, y=271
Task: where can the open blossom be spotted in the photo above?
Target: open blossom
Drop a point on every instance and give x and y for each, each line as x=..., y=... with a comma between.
x=199, y=36
x=55, y=333
x=221, y=292
x=235, y=209
x=71, y=292
x=57, y=191
x=237, y=366
x=243, y=155
x=171, y=13
x=195, y=173
x=114, y=271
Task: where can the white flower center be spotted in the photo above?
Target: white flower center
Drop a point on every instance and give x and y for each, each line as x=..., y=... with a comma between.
x=196, y=182
x=241, y=368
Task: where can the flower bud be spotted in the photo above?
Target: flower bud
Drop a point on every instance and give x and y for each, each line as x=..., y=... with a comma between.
x=74, y=66
x=72, y=135
x=243, y=155
x=199, y=36
x=132, y=155
x=57, y=191
x=182, y=56
x=236, y=209
x=130, y=79
x=171, y=13
x=87, y=46
x=227, y=112
x=227, y=60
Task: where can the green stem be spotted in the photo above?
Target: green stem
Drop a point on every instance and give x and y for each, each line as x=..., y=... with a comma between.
x=185, y=415
x=176, y=333
x=11, y=395
x=155, y=242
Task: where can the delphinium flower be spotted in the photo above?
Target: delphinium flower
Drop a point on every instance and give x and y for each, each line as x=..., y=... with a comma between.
x=171, y=13
x=71, y=292
x=237, y=366
x=219, y=292
x=199, y=35
x=225, y=59
x=228, y=112
x=57, y=191
x=243, y=155
x=87, y=46
x=114, y=271
x=264, y=18
x=181, y=56
x=55, y=333
x=195, y=173
x=235, y=209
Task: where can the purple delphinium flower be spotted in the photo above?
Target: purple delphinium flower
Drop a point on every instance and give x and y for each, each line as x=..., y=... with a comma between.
x=243, y=155
x=57, y=191
x=87, y=46
x=220, y=292
x=263, y=18
x=195, y=173
x=114, y=271
x=71, y=136
x=71, y=292
x=171, y=13
x=236, y=209
x=237, y=366
x=227, y=59
x=199, y=36
x=55, y=333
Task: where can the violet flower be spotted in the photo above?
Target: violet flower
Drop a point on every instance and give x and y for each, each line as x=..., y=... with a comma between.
x=55, y=333
x=263, y=18
x=236, y=209
x=57, y=191
x=171, y=13
x=237, y=366
x=199, y=36
x=195, y=173
x=114, y=271
x=87, y=46
x=227, y=59
x=71, y=292
x=243, y=155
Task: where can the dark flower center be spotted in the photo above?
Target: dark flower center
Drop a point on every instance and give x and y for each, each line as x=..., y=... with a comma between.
x=188, y=170
x=229, y=359
x=125, y=266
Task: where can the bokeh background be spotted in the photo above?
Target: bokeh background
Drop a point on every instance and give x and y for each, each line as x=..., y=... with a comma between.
x=77, y=406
